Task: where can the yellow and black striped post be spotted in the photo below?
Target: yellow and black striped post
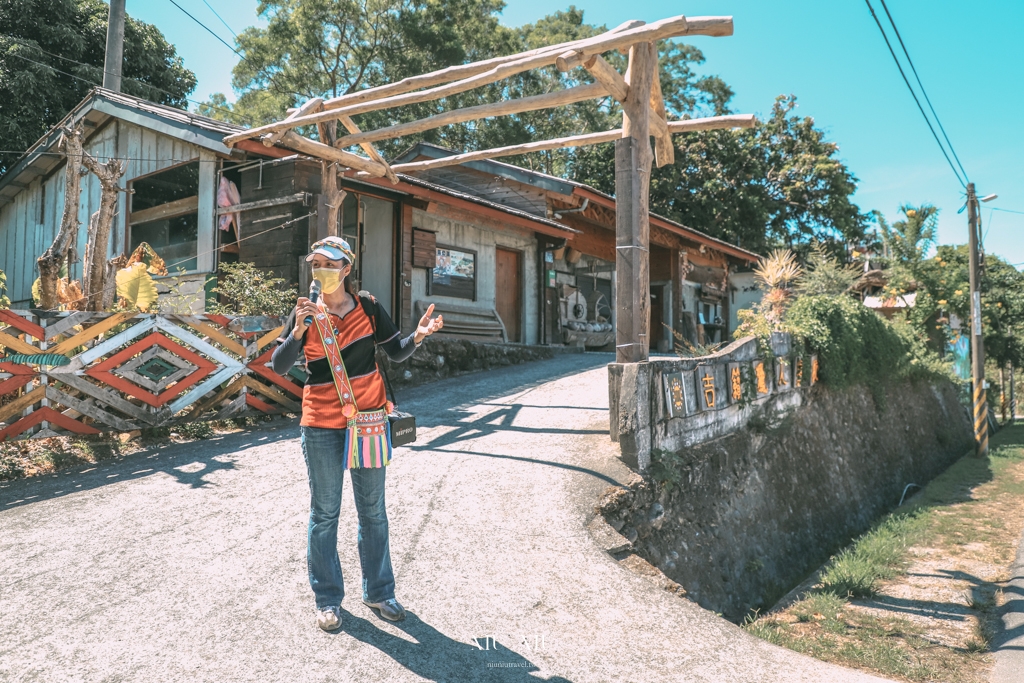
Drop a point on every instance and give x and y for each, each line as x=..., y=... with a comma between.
x=980, y=418
x=977, y=341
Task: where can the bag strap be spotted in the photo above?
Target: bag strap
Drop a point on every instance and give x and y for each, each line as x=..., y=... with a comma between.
x=338, y=372
x=368, y=303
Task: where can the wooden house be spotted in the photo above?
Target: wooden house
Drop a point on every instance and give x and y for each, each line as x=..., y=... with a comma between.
x=506, y=254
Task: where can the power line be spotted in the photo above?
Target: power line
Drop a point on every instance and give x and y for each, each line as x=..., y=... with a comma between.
x=913, y=94
x=226, y=44
x=921, y=85
x=221, y=18
x=1006, y=210
x=135, y=80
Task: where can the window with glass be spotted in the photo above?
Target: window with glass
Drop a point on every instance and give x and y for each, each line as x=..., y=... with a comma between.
x=164, y=212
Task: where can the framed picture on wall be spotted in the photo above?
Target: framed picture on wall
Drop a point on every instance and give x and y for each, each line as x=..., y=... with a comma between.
x=454, y=273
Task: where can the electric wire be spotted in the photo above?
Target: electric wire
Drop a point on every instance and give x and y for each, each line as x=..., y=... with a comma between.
x=921, y=85
x=208, y=29
x=993, y=208
x=221, y=18
x=92, y=82
x=914, y=94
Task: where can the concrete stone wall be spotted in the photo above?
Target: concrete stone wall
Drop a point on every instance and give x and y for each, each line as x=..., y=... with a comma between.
x=762, y=494
x=440, y=357
x=674, y=403
x=460, y=234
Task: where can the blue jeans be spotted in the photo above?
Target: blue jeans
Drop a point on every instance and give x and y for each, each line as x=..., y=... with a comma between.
x=323, y=449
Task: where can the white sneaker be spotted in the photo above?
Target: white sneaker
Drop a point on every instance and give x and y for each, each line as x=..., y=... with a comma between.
x=329, y=618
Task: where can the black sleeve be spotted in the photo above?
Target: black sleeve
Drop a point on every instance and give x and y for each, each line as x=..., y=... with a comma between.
x=289, y=325
x=288, y=348
x=388, y=337
x=384, y=328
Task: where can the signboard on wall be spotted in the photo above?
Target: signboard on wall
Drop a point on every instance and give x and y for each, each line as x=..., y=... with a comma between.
x=454, y=273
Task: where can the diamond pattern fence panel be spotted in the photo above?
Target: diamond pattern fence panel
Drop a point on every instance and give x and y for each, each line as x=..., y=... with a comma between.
x=87, y=373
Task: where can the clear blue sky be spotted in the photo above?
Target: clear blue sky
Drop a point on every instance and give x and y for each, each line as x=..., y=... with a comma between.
x=828, y=53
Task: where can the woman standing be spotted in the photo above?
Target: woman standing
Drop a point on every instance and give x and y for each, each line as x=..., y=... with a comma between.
x=344, y=425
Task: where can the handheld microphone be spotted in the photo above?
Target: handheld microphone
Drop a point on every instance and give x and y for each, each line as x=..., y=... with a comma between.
x=314, y=294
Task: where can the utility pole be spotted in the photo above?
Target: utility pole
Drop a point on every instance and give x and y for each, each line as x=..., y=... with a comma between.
x=115, y=46
x=977, y=345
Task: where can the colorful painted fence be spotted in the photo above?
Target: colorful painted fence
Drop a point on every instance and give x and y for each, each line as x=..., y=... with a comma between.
x=86, y=373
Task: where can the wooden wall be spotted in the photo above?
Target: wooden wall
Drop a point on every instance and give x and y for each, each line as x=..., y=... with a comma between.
x=24, y=237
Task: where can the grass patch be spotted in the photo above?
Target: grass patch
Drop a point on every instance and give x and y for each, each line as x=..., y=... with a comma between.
x=969, y=513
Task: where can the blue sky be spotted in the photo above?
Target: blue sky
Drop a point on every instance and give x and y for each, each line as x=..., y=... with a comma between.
x=828, y=53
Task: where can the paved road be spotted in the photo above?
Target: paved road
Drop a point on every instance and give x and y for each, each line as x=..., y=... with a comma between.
x=188, y=563
x=1008, y=644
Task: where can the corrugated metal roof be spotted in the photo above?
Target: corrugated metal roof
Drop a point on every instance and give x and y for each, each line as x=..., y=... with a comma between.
x=100, y=103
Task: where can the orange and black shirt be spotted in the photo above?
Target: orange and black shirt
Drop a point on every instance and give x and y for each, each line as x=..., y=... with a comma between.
x=358, y=334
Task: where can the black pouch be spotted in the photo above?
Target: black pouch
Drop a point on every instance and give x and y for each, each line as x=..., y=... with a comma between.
x=403, y=428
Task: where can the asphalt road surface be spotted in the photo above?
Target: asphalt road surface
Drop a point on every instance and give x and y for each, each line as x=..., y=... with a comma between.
x=187, y=563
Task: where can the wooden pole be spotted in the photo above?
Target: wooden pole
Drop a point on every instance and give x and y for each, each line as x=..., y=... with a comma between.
x=114, y=57
x=582, y=51
x=977, y=342
x=632, y=217
x=52, y=259
x=482, y=111
x=307, y=107
x=352, y=128
x=293, y=140
x=94, y=276
x=687, y=126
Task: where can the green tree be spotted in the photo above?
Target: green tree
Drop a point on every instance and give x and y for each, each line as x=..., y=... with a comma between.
x=945, y=281
x=904, y=244
x=39, y=39
x=779, y=184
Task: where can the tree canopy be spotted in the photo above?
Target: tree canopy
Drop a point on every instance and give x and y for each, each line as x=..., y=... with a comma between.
x=51, y=54
x=781, y=183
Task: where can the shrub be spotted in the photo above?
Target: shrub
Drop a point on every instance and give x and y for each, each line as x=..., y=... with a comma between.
x=196, y=430
x=247, y=290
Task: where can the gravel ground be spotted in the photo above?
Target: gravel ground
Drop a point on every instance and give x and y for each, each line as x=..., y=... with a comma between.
x=187, y=563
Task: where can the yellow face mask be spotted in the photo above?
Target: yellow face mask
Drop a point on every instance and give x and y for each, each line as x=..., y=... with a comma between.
x=330, y=279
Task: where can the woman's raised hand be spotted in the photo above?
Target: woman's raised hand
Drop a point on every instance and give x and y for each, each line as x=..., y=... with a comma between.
x=304, y=307
x=427, y=325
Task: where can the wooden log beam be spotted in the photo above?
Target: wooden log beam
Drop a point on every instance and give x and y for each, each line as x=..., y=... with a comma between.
x=308, y=107
x=713, y=123
x=453, y=73
x=605, y=74
x=673, y=27
x=546, y=101
x=632, y=212
x=352, y=128
x=687, y=126
x=294, y=141
x=664, y=150
x=503, y=67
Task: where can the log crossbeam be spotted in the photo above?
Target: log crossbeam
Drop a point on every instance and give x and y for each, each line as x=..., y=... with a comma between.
x=579, y=52
x=672, y=127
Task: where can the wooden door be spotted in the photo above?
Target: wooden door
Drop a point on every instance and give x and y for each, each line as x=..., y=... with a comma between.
x=657, y=330
x=508, y=292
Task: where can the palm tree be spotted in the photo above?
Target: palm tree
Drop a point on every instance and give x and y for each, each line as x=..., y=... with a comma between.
x=907, y=240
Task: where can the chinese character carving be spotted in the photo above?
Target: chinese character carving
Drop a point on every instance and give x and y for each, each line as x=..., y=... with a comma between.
x=814, y=370
x=762, y=379
x=798, y=373
x=676, y=389
x=708, y=381
x=782, y=373
x=737, y=386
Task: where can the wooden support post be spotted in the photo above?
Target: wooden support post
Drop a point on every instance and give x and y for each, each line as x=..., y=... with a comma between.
x=96, y=269
x=632, y=218
x=52, y=259
x=664, y=150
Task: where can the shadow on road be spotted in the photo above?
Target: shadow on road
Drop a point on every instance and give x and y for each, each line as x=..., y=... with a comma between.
x=189, y=463
x=437, y=657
